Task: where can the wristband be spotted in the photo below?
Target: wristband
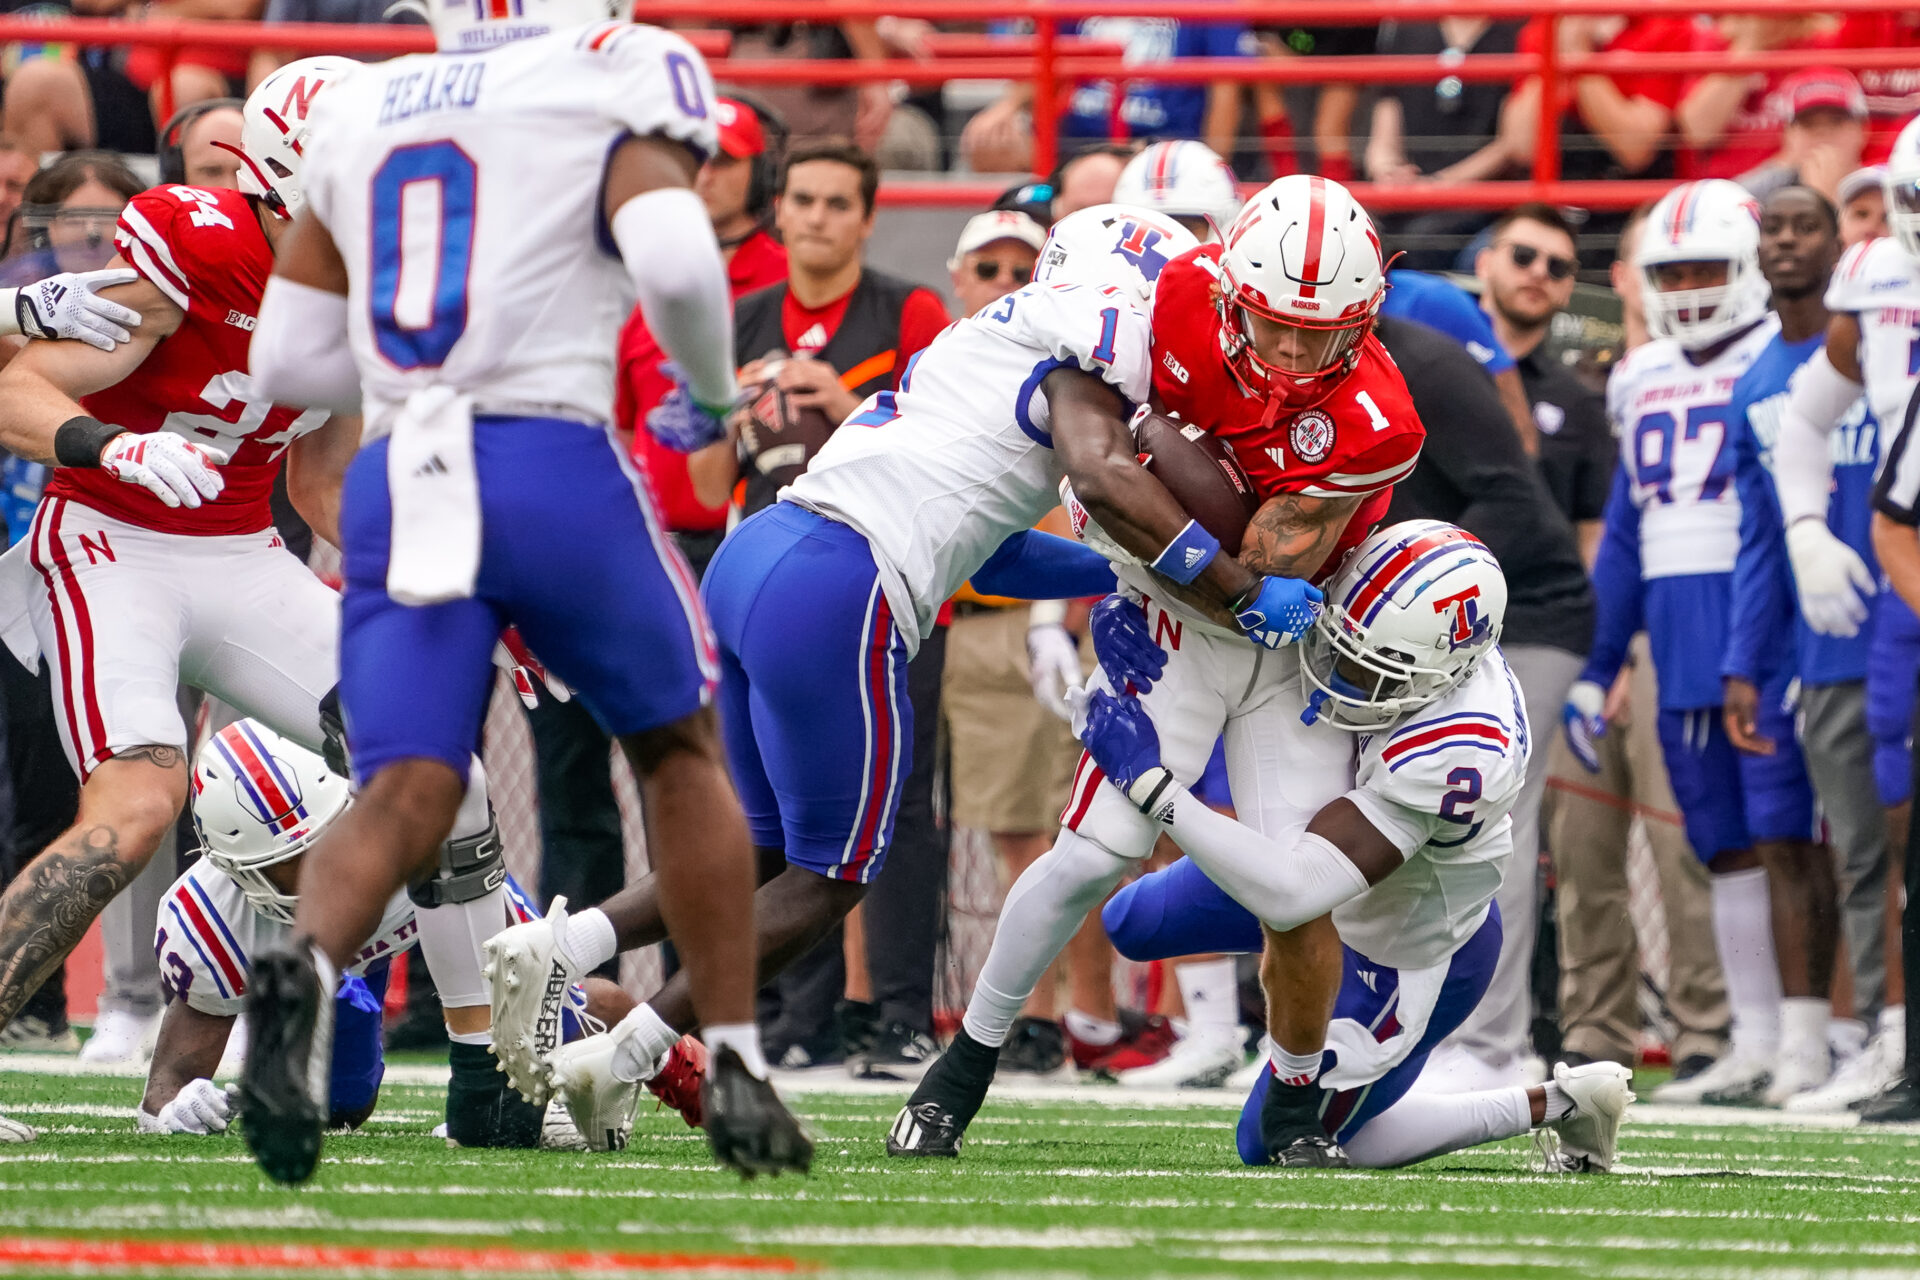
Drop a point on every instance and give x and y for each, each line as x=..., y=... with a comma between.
x=78, y=442
x=1188, y=555
x=1150, y=788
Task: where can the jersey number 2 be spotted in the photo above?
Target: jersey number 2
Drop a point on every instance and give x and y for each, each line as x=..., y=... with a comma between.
x=424, y=198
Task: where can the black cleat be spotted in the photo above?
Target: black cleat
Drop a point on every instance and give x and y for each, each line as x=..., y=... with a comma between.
x=750, y=1128
x=1035, y=1045
x=283, y=1094
x=1291, y=1131
x=483, y=1110
x=936, y=1117
x=1898, y=1103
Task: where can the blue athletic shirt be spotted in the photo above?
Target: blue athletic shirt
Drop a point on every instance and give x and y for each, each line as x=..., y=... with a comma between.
x=1439, y=303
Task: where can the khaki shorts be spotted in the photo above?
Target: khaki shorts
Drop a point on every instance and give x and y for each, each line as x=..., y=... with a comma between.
x=1010, y=759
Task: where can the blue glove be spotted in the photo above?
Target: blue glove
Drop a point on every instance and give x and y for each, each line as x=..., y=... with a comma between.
x=682, y=423
x=1280, y=612
x=1584, y=722
x=1121, y=738
x=1127, y=653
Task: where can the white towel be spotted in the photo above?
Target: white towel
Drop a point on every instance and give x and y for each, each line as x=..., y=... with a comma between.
x=1364, y=1059
x=19, y=581
x=436, y=499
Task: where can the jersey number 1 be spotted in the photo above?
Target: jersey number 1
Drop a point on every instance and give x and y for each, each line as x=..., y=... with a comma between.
x=424, y=196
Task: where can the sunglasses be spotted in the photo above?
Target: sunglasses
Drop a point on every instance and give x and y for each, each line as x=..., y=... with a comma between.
x=984, y=271
x=1558, y=268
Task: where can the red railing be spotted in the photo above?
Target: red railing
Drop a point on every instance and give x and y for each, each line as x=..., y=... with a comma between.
x=1053, y=62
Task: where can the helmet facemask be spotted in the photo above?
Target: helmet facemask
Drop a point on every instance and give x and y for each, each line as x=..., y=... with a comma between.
x=1359, y=688
x=1902, y=188
x=1323, y=352
x=1699, y=317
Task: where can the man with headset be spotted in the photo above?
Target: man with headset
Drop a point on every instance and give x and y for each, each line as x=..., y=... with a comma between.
x=584, y=854
x=200, y=145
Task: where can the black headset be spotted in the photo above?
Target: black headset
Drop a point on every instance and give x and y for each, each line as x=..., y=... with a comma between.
x=173, y=160
x=764, y=169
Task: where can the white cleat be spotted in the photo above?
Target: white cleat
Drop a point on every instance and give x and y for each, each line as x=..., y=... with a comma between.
x=1865, y=1075
x=14, y=1131
x=557, y=1131
x=601, y=1105
x=1797, y=1073
x=120, y=1039
x=1731, y=1077
x=1198, y=1061
x=1590, y=1133
x=528, y=974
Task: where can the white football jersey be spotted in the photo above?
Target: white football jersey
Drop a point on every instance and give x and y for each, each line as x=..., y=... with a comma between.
x=1879, y=282
x=1670, y=416
x=939, y=473
x=464, y=194
x=1440, y=785
x=209, y=933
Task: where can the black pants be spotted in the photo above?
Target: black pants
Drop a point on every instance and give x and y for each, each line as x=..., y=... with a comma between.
x=902, y=907
x=44, y=793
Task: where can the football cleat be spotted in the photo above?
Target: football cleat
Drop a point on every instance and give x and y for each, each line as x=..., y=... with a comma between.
x=936, y=1117
x=899, y=1052
x=12, y=1130
x=528, y=974
x=1795, y=1073
x=1898, y=1103
x=1732, y=1080
x=1859, y=1078
x=483, y=1110
x=1291, y=1131
x=121, y=1039
x=284, y=1089
x=1200, y=1060
x=1141, y=1046
x=1590, y=1133
x=750, y=1128
x=678, y=1080
x=601, y=1105
x=557, y=1130
x=1037, y=1046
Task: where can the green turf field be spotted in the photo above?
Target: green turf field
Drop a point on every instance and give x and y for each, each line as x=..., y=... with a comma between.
x=1103, y=1187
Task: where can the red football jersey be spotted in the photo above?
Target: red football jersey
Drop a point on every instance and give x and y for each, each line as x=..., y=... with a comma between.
x=1361, y=439
x=205, y=251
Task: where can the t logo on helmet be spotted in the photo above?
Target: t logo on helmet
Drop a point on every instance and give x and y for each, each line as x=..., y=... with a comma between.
x=1137, y=246
x=1469, y=627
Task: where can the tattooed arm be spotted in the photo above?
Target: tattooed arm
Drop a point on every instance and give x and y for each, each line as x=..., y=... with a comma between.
x=1292, y=535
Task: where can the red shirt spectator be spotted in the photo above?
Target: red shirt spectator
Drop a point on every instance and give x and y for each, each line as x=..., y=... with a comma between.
x=1736, y=122
x=1893, y=96
x=1612, y=126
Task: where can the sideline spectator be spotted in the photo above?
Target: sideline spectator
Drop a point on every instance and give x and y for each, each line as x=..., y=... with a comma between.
x=197, y=146
x=1893, y=94
x=17, y=168
x=1087, y=177
x=1863, y=205
x=816, y=114
x=1731, y=122
x=995, y=255
x=66, y=217
x=1442, y=133
x=1826, y=134
x=1334, y=103
x=366, y=13
x=1438, y=303
x=1000, y=138
x=198, y=73
x=1521, y=298
x=1473, y=473
x=61, y=98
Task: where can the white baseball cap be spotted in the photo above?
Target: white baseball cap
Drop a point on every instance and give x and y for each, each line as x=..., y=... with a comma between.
x=1861, y=181
x=984, y=229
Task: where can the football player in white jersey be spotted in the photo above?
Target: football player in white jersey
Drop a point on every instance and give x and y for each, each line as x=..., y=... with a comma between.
x=1185, y=180
x=1407, y=862
x=259, y=802
x=479, y=223
x=820, y=600
x=1666, y=564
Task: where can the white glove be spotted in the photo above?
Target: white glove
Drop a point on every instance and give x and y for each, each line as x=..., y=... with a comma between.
x=201, y=1107
x=1053, y=666
x=68, y=306
x=1584, y=720
x=173, y=470
x=1834, y=581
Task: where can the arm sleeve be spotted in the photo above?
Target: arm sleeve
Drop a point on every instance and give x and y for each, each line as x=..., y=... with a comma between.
x=1761, y=621
x=1616, y=584
x=300, y=353
x=667, y=243
x=1032, y=565
x=1817, y=399
x=1285, y=884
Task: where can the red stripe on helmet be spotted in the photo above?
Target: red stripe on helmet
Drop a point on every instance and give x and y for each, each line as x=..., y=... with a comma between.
x=1316, y=232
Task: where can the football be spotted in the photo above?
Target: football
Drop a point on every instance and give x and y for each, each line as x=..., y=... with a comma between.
x=1200, y=471
x=778, y=435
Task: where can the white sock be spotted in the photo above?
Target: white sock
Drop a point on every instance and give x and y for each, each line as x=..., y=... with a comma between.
x=1893, y=1021
x=453, y=941
x=1293, y=1068
x=1559, y=1105
x=1803, y=1027
x=329, y=976
x=741, y=1037
x=1743, y=935
x=1211, y=992
x=1423, y=1125
x=1092, y=1030
x=470, y=1037
x=588, y=939
x=643, y=1038
x=1044, y=909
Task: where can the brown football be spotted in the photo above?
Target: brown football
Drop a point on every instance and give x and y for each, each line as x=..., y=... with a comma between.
x=1200, y=471
x=779, y=436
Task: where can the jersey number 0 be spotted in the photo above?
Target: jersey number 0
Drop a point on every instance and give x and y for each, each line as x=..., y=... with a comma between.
x=422, y=246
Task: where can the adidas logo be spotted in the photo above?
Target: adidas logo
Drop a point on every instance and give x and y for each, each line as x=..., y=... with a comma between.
x=1278, y=455
x=812, y=340
x=433, y=466
x=1371, y=978
x=1193, y=556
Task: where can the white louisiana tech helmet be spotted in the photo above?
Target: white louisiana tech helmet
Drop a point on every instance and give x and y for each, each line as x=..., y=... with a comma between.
x=275, y=126
x=1709, y=221
x=466, y=26
x=1111, y=245
x=259, y=799
x=1901, y=182
x=1302, y=255
x=1408, y=617
x=1183, y=179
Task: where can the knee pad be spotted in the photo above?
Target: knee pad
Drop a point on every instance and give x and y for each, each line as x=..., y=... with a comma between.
x=471, y=866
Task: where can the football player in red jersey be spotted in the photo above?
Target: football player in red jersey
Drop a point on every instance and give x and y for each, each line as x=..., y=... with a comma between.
x=1267, y=342
x=153, y=559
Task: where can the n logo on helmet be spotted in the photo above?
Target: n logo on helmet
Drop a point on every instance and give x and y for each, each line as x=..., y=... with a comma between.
x=1469, y=626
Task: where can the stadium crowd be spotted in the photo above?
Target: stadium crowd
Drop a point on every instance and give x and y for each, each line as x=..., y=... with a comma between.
x=1520, y=452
